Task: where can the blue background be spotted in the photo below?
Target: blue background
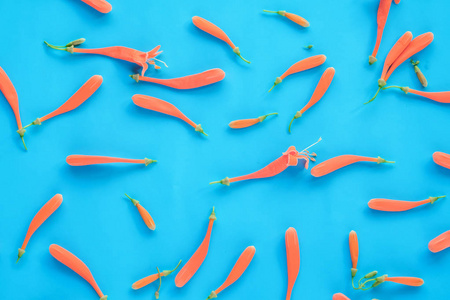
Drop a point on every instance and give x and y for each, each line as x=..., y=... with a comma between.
x=104, y=229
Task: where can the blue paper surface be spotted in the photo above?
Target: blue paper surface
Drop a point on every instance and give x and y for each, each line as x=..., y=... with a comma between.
x=99, y=225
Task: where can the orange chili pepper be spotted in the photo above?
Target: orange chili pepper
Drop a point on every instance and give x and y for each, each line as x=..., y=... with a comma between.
x=215, y=31
x=293, y=259
x=440, y=242
x=248, y=122
x=354, y=251
x=10, y=94
x=294, y=18
x=340, y=296
x=164, y=107
x=238, y=269
x=442, y=159
x=194, y=263
x=187, y=82
x=289, y=158
x=411, y=281
x=144, y=214
x=81, y=95
x=341, y=161
x=74, y=263
x=100, y=5
x=417, y=44
x=321, y=88
x=398, y=48
x=393, y=54
x=86, y=160
x=442, y=97
x=382, y=15
x=397, y=1
x=399, y=205
x=46, y=211
x=149, y=279
x=123, y=53
x=304, y=64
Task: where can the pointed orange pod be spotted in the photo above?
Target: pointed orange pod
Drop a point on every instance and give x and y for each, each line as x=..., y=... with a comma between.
x=46, y=211
x=399, y=205
x=187, y=82
x=144, y=214
x=238, y=124
x=395, y=52
x=289, y=158
x=417, y=44
x=164, y=107
x=442, y=97
x=215, y=31
x=86, y=160
x=382, y=15
x=354, y=251
x=9, y=91
x=196, y=260
x=238, y=269
x=80, y=96
x=411, y=281
x=293, y=17
x=340, y=296
x=439, y=243
x=341, y=161
x=100, y=5
x=151, y=278
x=321, y=88
x=74, y=263
x=304, y=64
x=398, y=48
x=293, y=259
x=442, y=159
x=397, y=1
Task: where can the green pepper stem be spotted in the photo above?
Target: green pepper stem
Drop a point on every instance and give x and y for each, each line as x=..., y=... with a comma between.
x=359, y=282
x=27, y=126
x=171, y=271
x=63, y=48
x=364, y=284
x=159, y=287
x=270, y=11
x=392, y=86
x=23, y=141
x=262, y=118
x=290, y=124
x=373, y=98
x=353, y=285
x=135, y=202
x=243, y=58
